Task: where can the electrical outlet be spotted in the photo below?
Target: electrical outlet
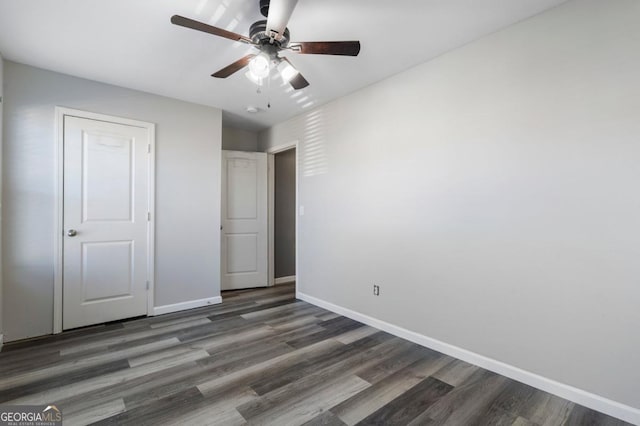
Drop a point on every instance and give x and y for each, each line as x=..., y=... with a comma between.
x=376, y=290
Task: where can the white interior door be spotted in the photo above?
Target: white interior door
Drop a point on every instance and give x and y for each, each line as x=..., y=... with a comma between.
x=106, y=221
x=244, y=220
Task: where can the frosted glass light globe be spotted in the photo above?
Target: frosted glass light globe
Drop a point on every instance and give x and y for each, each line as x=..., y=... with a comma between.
x=260, y=66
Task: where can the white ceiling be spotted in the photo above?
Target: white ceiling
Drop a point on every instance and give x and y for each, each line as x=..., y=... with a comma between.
x=131, y=43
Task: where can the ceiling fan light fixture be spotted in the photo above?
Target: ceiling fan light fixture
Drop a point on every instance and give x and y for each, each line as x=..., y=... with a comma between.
x=253, y=78
x=260, y=66
x=287, y=71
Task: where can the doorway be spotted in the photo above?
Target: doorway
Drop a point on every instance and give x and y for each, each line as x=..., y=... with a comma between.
x=104, y=238
x=283, y=214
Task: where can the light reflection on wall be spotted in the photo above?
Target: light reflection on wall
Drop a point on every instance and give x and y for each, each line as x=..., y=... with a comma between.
x=314, y=152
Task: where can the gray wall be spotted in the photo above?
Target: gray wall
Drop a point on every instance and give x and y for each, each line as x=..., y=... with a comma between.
x=188, y=143
x=239, y=140
x=493, y=195
x=284, y=238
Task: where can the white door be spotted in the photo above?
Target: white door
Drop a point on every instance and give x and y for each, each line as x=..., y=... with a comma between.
x=244, y=220
x=106, y=222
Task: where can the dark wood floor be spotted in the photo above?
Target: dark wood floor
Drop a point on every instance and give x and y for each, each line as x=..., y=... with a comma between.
x=263, y=357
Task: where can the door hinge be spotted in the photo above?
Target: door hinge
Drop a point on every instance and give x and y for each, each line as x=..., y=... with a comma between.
x=148, y=216
x=149, y=148
x=147, y=285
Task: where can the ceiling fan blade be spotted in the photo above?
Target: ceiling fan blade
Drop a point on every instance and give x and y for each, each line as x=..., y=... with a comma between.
x=298, y=81
x=201, y=26
x=345, y=48
x=234, y=67
x=279, y=13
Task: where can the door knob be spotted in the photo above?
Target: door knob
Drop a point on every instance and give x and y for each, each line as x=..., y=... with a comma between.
x=72, y=232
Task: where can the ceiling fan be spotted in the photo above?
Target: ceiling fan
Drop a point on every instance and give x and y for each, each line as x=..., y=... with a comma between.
x=270, y=37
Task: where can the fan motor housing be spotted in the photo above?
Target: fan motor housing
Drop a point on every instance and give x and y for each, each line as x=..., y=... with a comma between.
x=258, y=34
x=264, y=7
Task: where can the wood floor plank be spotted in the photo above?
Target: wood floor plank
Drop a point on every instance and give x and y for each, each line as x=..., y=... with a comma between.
x=521, y=421
x=411, y=403
x=210, y=411
x=494, y=416
x=357, y=334
x=331, y=330
x=83, y=363
x=303, y=310
x=514, y=398
x=468, y=401
x=302, y=331
x=407, y=354
x=23, y=394
x=275, y=299
x=220, y=343
x=327, y=418
x=181, y=324
x=113, y=341
x=311, y=365
x=205, y=370
x=546, y=410
x=29, y=345
x=84, y=386
x=582, y=416
x=328, y=315
x=95, y=414
x=256, y=370
x=13, y=362
x=350, y=363
x=124, y=389
x=456, y=372
x=263, y=357
x=155, y=411
x=297, y=409
x=237, y=358
x=191, y=333
x=295, y=324
x=154, y=356
x=256, y=308
x=164, y=382
x=261, y=312
x=386, y=390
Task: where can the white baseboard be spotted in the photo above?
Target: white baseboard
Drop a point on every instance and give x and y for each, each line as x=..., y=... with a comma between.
x=579, y=396
x=284, y=280
x=167, y=309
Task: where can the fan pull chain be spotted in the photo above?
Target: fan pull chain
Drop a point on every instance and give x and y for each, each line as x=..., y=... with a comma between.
x=269, y=91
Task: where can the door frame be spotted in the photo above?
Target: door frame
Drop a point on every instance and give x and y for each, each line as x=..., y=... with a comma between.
x=58, y=240
x=271, y=152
